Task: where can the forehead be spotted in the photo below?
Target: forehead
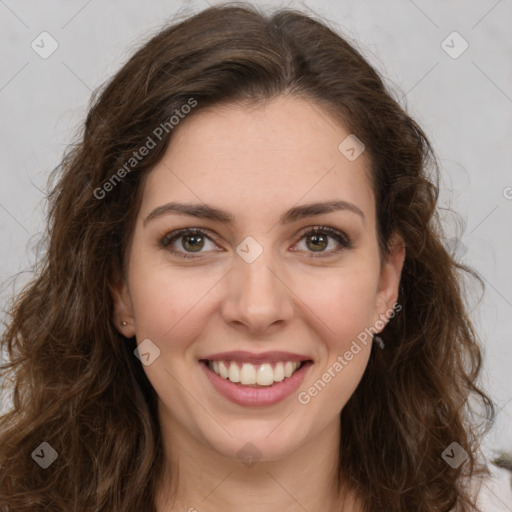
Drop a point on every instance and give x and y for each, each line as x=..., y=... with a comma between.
x=259, y=160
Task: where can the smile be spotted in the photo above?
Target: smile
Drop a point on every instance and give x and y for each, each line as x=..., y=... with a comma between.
x=247, y=374
x=255, y=380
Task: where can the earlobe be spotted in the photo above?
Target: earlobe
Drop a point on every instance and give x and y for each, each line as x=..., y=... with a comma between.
x=123, y=309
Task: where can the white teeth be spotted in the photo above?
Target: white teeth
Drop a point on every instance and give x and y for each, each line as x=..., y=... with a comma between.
x=223, y=370
x=288, y=369
x=265, y=375
x=249, y=374
x=234, y=373
x=279, y=372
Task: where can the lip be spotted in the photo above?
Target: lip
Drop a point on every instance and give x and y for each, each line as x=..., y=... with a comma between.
x=256, y=396
x=242, y=356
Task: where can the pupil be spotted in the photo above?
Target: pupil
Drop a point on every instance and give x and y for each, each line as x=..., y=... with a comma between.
x=315, y=239
x=195, y=245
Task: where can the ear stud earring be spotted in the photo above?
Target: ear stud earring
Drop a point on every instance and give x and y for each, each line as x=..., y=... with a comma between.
x=380, y=342
x=123, y=323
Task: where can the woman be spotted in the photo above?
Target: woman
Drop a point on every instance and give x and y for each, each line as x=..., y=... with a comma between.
x=246, y=303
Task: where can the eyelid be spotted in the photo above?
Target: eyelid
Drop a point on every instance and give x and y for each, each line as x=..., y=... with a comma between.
x=341, y=238
x=169, y=237
x=322, y=229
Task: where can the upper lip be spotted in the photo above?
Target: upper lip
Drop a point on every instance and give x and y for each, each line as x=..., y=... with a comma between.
x=251, y=357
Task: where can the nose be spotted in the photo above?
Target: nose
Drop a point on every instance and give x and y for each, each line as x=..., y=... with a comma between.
x=258, y=299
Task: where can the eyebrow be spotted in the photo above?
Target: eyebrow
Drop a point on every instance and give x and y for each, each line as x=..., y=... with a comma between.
x=204, y=211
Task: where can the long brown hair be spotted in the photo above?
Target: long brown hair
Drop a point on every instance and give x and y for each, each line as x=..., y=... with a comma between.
x=75, y=381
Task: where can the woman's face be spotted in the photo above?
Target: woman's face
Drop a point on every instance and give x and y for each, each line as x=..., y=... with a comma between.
x=255, y=290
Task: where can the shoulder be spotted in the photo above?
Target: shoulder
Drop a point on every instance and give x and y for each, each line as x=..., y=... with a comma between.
x=494, y=491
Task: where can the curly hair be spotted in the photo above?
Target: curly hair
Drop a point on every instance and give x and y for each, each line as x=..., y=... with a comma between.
x=74, y=380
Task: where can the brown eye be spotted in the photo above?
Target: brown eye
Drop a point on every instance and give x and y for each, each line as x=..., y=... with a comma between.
x=318, y=239
x=317, y=242
x=192, y=241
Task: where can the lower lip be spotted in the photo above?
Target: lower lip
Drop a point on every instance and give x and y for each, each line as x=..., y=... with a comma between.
x=254, y=396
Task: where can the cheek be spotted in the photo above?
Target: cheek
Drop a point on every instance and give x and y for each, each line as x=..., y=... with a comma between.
x=172, y=304
x=345, y=304
x=168, y=302
x=346, y=310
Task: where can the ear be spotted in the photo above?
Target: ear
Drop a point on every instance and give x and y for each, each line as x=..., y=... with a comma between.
x=123, y=308
x=389, y=282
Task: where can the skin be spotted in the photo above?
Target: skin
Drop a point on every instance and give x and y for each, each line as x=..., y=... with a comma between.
x=256, y=163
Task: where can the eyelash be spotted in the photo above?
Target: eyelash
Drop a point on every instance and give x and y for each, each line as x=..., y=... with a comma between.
x=342, y=239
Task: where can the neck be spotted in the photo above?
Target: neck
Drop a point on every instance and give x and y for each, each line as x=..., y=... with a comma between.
x=197, y=478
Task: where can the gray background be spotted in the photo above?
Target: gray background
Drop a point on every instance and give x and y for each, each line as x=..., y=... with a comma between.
x=464, y=104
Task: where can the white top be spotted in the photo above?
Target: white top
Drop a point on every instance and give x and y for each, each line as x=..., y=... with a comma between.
x=495, y=491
